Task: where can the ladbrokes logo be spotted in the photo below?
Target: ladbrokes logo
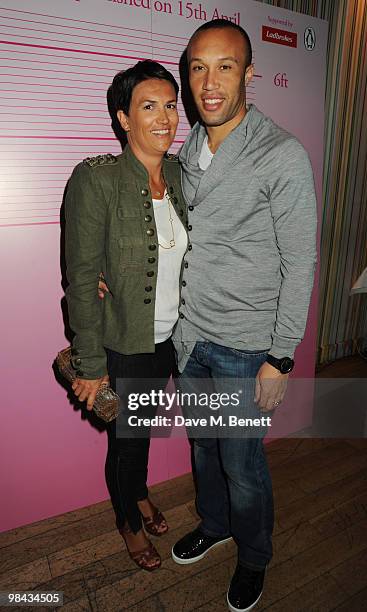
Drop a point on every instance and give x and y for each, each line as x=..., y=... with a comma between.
x=280, y=37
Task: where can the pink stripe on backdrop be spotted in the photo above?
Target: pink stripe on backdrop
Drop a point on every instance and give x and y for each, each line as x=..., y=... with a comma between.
x=27, y=173
x=15, y=136
x=39, y=54
x=31, y=217
x=39, y=76
x=94, y=110
x=66, y=138
x=54, y=125
x=49, y=93
x=39, y=100
x=28, y=209
x=83, y=44
x=93, y=38
x=95, y=23
x=23, y=224
x=48, y=31
x=35, y=203
x=47, y=69
x=63, y=159
x=33, y=45
x=43, y=61
x=60, y=25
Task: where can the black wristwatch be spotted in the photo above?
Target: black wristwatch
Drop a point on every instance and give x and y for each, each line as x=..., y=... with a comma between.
x=284, y=365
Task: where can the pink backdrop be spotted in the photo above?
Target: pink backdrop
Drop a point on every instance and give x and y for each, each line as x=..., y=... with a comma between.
x=56, y=64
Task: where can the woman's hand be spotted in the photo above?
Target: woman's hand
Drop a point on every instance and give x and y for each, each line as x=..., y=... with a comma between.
x=102, y=288
x=87, y=389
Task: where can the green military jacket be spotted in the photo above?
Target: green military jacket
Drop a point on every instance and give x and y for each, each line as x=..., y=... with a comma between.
x=110, y=228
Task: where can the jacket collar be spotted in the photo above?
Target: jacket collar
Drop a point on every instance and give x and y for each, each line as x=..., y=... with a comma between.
x=138, y=169
x=138, y=172
x=227, y=153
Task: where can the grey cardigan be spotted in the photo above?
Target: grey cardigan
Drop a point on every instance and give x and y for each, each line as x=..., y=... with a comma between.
x=249, y=275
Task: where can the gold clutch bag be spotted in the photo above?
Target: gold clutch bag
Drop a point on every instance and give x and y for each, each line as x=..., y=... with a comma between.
x=107, y=402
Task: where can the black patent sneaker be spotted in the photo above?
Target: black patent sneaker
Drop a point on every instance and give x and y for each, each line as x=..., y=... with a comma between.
x=194, y=546
x=245, y=589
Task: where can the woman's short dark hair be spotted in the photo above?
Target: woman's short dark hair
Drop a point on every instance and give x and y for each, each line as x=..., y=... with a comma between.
x=224, y=23
x=124, y=82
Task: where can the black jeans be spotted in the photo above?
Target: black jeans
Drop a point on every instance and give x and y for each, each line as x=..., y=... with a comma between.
x=127, y=458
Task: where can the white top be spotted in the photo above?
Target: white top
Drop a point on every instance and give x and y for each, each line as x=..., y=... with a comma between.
x=206, y=155
x=169, y=267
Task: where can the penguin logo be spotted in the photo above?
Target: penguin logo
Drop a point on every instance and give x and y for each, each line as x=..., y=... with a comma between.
x=309, y=38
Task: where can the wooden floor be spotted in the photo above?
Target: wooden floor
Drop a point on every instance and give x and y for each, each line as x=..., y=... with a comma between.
x=320, y=544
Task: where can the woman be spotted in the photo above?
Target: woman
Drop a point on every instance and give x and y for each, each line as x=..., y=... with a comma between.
x=125, y=216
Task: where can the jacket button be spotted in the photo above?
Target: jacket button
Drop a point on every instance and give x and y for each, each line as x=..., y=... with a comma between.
x=184, y=283
x=181, y=213
x=147, y=301
x=191, y=207
x=78, y=361
x=182, y=316
x=186, y=264
x=151, y=259
x=147, y=204
x=189, y=248
x=152, y=247
x=149, y=288
x=147, y=218
x=150, y=232
x=79, y=373
x=144, y=192
x=183, y=301
x=150, y=273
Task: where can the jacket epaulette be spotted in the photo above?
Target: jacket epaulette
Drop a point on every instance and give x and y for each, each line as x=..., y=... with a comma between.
x=100, y=160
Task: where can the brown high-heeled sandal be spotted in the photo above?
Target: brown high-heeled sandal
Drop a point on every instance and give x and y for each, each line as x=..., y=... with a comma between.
x=153, y=524
x=143, y=558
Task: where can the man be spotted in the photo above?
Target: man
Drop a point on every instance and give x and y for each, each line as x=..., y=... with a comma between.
x=246, y=286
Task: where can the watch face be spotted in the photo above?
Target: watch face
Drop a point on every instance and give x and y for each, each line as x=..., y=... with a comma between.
x=286, y=365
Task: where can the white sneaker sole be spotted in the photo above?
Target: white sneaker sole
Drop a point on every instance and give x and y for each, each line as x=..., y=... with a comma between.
x=233, y=609
x=199, y=557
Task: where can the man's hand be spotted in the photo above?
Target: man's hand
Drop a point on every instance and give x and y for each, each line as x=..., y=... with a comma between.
x=270, y=387
x=87, y=389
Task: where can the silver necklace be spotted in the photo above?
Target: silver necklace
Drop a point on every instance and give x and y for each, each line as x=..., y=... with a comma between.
x=172, y=242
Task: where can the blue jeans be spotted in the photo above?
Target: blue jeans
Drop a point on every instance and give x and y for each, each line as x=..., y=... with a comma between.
x=234, y=491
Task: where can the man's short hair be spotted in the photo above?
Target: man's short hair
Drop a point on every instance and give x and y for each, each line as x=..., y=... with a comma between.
x=124, y=82
x=224, y=23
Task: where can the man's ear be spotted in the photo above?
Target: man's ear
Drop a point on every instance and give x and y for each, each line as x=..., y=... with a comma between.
x=249, y=73
x=123, y=120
